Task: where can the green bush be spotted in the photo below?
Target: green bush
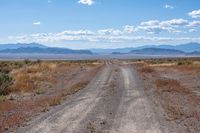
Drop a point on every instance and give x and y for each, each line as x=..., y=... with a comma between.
x=5, y=82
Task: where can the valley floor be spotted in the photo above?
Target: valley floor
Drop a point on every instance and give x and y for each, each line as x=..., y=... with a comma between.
x=127, y=97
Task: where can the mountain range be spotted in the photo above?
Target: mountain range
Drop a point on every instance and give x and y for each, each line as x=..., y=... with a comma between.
x=21, y=45
x=187, y=48
x=157, y=51
x=183, y=49
x=34, y=48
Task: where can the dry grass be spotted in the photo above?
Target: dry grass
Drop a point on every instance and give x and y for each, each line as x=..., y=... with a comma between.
x=40, y=81
x=29, y=79
x=78, y=86
x=170, y=85
x=147, y=69
x=143, y=67
x=52, y=101
x=173, y=112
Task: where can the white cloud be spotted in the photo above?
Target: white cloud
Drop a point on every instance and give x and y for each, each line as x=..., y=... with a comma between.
x=192, y=30
x=194, y=24
x=194, y=14
x=129, y=29
x=110, y=32
x=86, y=2
x=169, y=6
x=77, y=32
x=156, y=26
x=37, y=23
x=126, y=34
x=56, y=38
x=174, y=22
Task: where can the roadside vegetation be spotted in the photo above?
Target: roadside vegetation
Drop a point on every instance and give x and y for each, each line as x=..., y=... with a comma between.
x=173, y=84
x=30, y=87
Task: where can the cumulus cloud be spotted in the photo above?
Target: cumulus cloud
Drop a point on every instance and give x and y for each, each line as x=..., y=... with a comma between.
x=174, y=22
x=77, y=32
x=129, y=29
x=37, y=23
x=126, y=34
x=194, y=24
x=98, y=38
x=156, y=26
x=86, y=2
x=194, y=14
x=192, y=30
x=110, y=32
x=168, y=6
x=101, y=36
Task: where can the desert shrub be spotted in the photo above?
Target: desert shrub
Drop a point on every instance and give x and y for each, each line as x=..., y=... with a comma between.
x=40, y=91
x=38, y=61
x=147, y=69
x=5, y=82
x=55, y=101
x=27, y=61
x=170, y=85
x=5, y=70
x=184, y=62
x=2, y=98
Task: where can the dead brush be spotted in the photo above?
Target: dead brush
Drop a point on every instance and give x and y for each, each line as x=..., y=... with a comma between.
x=174, y=111
x=23, y=82
x=143, y=67
x=29, y=79
x=147, y=69
x=170, y=85
x=113, y=84
x=78, y=86
x=54, y=100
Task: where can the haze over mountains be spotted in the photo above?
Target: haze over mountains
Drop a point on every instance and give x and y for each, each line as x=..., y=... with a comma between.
x=189, y=47
x=21, y=45
x=37, y=49
x=183, y=49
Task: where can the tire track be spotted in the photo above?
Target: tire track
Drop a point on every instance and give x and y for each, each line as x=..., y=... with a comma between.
x=135, y=114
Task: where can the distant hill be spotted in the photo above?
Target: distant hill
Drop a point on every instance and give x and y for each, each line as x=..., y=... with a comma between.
x=195, y=53
x=36, y=50
x=189, y=47
x=21, y=45
x=183, y=49
x=157, y=51
x=109, y=51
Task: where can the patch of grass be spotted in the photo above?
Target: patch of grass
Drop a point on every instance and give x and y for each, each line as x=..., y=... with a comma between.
x=40, y=91
x=55, y=101
x=5, y=82
x=174, y=112
x=147, y=69
x=79, y=86
x=184, y=62
x=2, y=97
x=170, y=85
x=113, y=84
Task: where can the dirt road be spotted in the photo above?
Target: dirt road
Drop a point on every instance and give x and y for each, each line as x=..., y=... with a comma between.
x=114, y=102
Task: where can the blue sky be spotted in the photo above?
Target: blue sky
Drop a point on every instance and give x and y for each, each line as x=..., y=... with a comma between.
x=81, y=24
